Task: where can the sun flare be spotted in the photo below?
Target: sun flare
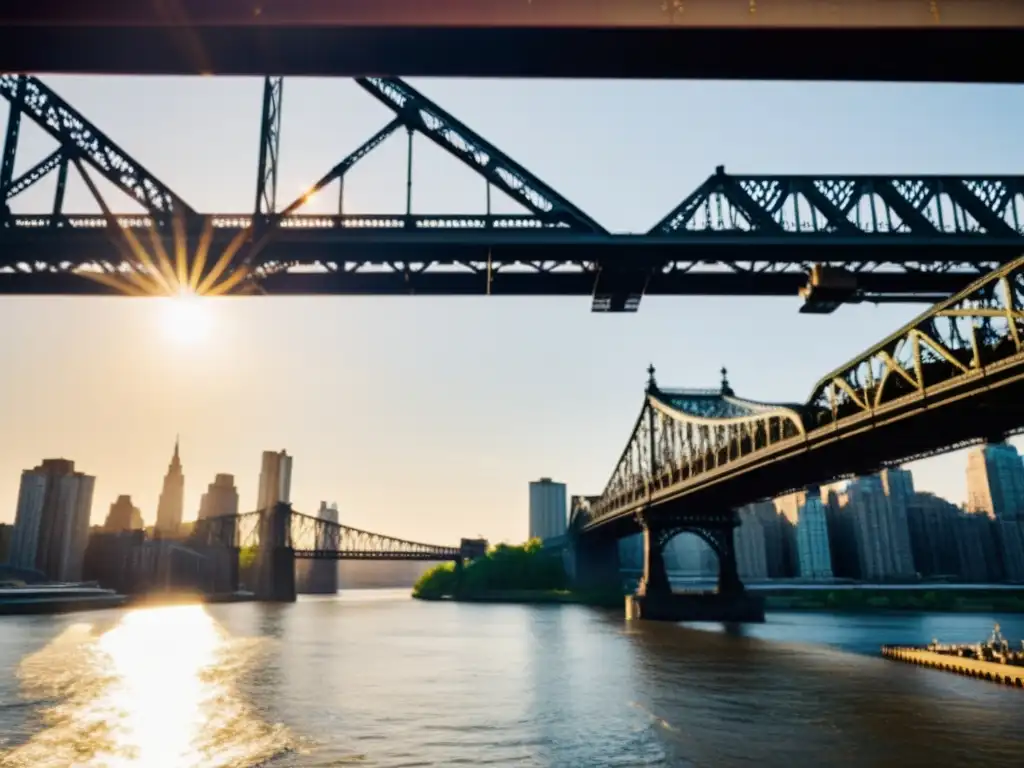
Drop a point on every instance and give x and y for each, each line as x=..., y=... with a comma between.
x=186, y=318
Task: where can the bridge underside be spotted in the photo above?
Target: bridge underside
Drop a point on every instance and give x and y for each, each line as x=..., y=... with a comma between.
x=949, y=40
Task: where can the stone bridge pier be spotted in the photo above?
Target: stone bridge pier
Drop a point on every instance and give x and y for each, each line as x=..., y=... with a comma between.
x=275, y=561
x=654, y=598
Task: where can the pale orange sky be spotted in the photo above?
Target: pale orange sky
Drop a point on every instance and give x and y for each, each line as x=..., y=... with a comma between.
x=426, y=418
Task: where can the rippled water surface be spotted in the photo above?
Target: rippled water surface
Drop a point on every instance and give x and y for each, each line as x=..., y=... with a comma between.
x=377, y=679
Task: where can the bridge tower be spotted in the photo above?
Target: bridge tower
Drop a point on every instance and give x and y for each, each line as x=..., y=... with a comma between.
x=275, y=562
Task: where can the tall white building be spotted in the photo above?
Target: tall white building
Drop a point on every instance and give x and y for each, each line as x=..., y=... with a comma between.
x=51, y=527
x=548, y=511
x=275, y=480
x=814, y=557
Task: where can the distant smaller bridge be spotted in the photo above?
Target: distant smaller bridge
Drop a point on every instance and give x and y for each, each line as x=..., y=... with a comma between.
x=280, y=536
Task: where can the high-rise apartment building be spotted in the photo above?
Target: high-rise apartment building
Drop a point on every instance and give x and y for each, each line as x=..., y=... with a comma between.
x=172, y=498
x=883, y=541
x=932, y=522
x=275, y=480
x=749, y=541
x=815, y=559
x=51, y=527
x=548, y=511
x=995, y=481
x=221, y=498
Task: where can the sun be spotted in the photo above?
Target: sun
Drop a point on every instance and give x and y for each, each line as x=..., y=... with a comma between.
x=186, y=318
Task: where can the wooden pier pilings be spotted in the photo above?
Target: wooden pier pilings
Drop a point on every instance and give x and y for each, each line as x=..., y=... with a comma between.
x=983, y=670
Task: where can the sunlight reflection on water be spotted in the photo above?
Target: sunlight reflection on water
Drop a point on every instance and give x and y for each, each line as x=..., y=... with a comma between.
x=158, y=689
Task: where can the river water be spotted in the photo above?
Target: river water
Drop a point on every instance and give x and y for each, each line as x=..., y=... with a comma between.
x=377, y=679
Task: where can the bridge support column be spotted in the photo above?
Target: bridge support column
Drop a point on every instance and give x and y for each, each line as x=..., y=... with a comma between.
x=276, y=559
x=655, y=579
x=655, y=600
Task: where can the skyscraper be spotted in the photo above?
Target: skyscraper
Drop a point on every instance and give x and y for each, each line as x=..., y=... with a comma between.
x=883, y=543
x=751, y=552
x=172, y=498
x=548, y=511
x=812, y=539
x=51, y=528
x=275, y=480
x=221, y=498
x=123, y=516
x=995, y=481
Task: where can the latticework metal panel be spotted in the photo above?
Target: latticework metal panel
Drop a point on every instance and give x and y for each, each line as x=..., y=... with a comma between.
x=669, y=446
x=852, y=206
x=979, y=329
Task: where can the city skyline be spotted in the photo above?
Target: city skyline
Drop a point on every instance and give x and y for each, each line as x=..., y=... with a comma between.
x=503, y=389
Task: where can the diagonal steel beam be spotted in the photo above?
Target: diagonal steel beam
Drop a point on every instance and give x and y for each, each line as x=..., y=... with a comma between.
x=80, y=138
x=419, y=113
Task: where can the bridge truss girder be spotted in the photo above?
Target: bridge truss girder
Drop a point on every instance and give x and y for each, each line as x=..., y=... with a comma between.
x=951, y=378
x=314, y=538
x=835, y=239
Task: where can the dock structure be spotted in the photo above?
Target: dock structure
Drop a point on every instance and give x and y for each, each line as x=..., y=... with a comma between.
x=1007, y=674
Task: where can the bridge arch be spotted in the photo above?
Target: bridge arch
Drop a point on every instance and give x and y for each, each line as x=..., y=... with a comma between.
x=684, y=433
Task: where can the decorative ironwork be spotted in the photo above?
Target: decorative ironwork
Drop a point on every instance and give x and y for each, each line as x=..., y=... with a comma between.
x=853, y=206
x=685, y=434
x=314, y=538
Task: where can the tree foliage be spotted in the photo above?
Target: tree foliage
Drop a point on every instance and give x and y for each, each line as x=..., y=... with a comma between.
x=505, y=568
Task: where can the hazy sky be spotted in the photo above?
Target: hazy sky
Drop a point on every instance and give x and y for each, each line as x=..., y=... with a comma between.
x=426, y=417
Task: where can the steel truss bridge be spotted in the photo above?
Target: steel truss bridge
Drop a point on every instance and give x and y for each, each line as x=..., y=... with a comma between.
x=952, y=377
x=834, y=239
x=314, y=538
x=922, y=40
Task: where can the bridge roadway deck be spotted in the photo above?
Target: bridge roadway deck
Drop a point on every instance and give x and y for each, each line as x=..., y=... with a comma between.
x=989, y=402
x=373, y=242
x=333, y=554
x=913, y=40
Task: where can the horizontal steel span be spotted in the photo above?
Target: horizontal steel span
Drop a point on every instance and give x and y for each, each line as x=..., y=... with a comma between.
x=928, y=40
x=833, y=238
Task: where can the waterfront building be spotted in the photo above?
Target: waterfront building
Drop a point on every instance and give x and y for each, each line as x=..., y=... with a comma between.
x=548, y=510
x=995, y=481
x=1010, y=538
x=275, y=480
x=883, y=543
x=172, y=498
x=123, y=516
x=749, y=541
x=932, y=522
x=978, y=549
x=5, y=541
x=788, y=508
x=51, y=527
x=842, y=536
x=221, y=498
x=815, y=558
x=774, y=527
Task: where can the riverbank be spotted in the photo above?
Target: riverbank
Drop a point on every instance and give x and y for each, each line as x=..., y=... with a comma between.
x=865, y=600
x=532, y=597
x=868, y=600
